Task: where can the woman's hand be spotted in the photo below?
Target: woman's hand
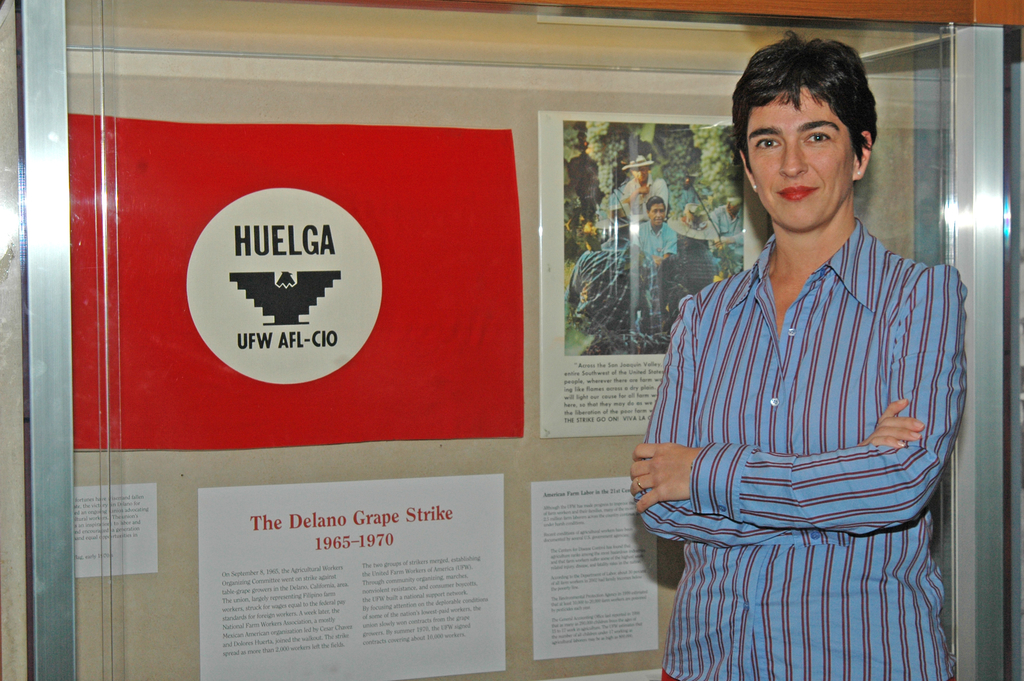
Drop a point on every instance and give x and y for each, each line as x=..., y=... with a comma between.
x=895, y=431
x=662, y=473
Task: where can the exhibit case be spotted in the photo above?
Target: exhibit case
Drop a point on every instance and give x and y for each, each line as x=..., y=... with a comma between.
x=324, y=324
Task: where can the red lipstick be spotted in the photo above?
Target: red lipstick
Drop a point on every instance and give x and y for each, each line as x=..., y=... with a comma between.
x=796, y=193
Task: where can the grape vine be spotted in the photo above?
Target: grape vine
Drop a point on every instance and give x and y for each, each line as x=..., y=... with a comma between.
x=717, y=171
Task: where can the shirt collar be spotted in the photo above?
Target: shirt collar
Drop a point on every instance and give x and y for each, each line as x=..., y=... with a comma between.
x=856, y=265
x=753, y=276
x=853, y=264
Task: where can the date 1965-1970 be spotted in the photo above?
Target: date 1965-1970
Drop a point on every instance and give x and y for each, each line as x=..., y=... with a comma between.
x=357, y=541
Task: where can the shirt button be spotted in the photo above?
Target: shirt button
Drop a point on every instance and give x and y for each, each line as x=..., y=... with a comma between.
x=775, y=401
x=815, y=535
x=792, y=332
x=721, y=509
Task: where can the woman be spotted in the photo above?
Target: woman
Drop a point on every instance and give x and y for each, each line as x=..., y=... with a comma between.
x=806, y=412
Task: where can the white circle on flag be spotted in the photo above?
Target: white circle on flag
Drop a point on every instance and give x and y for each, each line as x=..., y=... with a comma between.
x=284, y=286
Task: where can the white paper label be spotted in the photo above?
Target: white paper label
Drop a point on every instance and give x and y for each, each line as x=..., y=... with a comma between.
x=594, y=570
x=378, y=579
x=125, y=535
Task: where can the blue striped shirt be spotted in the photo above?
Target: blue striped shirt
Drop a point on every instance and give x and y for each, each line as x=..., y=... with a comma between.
x=807, y=554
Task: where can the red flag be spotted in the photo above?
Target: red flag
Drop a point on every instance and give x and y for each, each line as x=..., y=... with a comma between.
x=439, y=208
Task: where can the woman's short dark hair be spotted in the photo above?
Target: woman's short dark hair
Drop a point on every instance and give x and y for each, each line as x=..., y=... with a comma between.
x=830, y=70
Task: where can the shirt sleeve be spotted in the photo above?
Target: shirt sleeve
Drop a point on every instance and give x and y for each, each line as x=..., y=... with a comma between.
x=615, y=200
x=672, y=421
x=859, y=489
x=673, y=241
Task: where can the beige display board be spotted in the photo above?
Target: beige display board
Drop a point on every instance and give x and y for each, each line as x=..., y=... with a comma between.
x=237, y=62
x=13, y=578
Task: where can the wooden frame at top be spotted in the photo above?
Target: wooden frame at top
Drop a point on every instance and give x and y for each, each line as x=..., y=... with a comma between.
x=1007, y=12
x=997, y=12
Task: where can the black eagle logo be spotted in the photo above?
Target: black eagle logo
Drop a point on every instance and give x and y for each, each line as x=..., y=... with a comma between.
x=287, y=298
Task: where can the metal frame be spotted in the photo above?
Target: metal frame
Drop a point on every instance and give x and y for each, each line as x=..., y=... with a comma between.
x=47, y=337
x=979, y=599
x=980, y=636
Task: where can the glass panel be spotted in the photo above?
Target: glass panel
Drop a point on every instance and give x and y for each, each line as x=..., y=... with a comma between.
x=245, y=63
x=922, y=72
x=912, y=85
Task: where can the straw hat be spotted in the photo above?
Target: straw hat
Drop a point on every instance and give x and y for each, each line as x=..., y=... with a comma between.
x=693, y=224
x=640, y=162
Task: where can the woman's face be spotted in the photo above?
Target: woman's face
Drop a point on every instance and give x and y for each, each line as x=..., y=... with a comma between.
x=803, y=166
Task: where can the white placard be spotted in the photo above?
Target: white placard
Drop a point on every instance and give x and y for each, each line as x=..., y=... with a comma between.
x=594, y=570
x=369, y=580
x=126, y=535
